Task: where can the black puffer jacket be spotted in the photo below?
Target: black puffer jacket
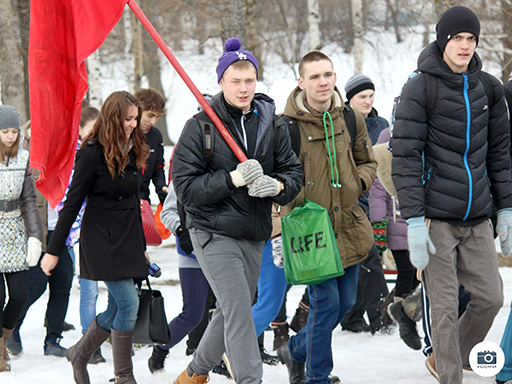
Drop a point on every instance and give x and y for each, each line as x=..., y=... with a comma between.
x=447, y=163
x=203, y=184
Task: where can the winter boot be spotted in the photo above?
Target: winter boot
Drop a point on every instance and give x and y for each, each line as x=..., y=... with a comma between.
x=52, y=347
x=97, y=357
x=300, y=319
x=296, y=371
x=157, y=360
x=13, y=343
x=221, y=369
x=184, y=378
x=122, y=352
x=6, y=333
x=80, y=353
x=4, y=364
x=280, y=334
x=407, y=327
x=412, y=306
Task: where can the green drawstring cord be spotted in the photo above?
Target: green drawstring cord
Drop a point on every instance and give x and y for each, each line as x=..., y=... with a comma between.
x=331, y=160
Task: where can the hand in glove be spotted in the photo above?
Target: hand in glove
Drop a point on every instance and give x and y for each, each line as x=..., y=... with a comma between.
x=246, y=172
x=419, y=242
x=34, y=248
x=277, y=251
x=264, y=186
x=504, y=229
x=380, y=234
x=184, y=239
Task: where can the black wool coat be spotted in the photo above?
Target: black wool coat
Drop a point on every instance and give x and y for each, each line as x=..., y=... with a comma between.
x=112, y=240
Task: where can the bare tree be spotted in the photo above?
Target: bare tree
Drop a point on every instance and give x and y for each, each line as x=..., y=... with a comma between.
x=94, y=79
x=233, y=19
x=23, y=8
x=506, y=63
x=314, y=25
x=138, y=69
x=357, y=21
x=11, y=65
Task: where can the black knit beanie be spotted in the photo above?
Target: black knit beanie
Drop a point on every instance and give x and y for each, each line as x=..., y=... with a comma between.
x=456, y=20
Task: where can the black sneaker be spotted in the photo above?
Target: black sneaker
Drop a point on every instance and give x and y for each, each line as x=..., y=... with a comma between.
x=221, y=369
x=296, y=371
x=267, y=358
x=407, y=327
x=13, y=343
x=157, y=360
x=52, y=347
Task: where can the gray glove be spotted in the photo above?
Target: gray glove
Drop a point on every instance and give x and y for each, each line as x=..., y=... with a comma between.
x=264, y=186
x=246, y=172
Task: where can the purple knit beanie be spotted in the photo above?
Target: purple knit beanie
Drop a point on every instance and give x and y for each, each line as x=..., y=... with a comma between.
x=234, y=52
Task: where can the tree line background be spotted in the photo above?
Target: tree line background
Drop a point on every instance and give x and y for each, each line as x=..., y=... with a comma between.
x=286, y=28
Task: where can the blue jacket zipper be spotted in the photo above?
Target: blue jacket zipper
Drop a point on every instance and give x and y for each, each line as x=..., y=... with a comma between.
x=468, y=142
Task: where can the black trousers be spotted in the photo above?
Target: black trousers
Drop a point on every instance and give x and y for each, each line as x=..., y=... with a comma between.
x=60, y=286
x=370, y=289
x=18, y=293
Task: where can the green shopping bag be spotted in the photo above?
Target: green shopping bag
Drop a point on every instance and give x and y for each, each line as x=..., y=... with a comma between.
x=311, y=254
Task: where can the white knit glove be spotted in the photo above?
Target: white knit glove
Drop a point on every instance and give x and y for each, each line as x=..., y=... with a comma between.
x=277, y=251
x=264, y=186
x=246, y=172
x=34, y=248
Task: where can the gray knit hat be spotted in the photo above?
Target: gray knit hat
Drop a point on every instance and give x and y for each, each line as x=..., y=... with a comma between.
x=356, y=84
x=9, y=117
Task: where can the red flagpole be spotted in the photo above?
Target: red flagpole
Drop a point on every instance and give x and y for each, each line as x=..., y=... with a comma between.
x=177, y=66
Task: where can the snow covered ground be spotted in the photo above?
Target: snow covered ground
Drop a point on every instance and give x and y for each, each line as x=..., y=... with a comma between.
x=359, y=358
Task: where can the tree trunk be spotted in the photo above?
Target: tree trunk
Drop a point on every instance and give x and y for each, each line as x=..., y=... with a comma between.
x=233, y=20
x=394, y=16
x=252, y=42
x=314, y=25
x=506, y=66
x=357, y=22
x=442, y=5
x=11, y=65
x=94, y=79
x=138, y=70
x=23, y=8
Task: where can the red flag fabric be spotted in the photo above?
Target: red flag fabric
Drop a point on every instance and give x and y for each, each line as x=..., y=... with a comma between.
x=63, y=33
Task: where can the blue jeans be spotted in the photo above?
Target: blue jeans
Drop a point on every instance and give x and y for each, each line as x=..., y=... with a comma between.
x=271, y=289
x=123, y=305
x=328, y=303
x=88, y=299
x=506, y=345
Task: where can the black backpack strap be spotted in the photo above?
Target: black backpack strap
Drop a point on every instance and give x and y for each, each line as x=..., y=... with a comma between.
x=207, y=131
x=489, y=90
x=350, y=121
x=431, y=92
x=293, y=131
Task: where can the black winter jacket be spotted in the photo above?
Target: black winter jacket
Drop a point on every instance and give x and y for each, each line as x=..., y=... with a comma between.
x=447, y=163
x=203, y=184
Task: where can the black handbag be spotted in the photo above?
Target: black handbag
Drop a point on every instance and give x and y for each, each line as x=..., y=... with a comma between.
x=151, y=326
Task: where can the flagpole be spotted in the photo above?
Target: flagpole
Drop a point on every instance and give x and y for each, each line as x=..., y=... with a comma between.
x=188, y=81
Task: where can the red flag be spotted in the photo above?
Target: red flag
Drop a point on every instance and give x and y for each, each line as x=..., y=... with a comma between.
x=63, y=33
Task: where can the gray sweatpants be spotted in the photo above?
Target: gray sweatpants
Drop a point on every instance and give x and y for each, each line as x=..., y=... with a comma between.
x=467, y=256
x=232, y=268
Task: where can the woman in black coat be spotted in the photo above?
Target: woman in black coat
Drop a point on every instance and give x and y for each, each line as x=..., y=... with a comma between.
x=112, y=245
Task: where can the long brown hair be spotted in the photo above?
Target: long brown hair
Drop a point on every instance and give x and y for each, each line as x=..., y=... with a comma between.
x=9, y=152
x=109, y=131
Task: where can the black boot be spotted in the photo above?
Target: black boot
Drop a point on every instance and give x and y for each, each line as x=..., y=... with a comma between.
x=296, y=371
x=267, y=358
x=80, y=353
x=157, y=360
x=408, y=331
x=122, y=353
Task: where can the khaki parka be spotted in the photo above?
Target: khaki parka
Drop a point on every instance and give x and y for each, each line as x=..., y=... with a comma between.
x=356, y=167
